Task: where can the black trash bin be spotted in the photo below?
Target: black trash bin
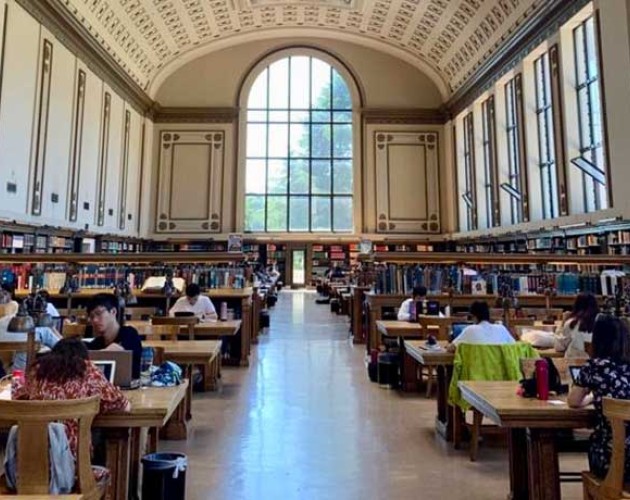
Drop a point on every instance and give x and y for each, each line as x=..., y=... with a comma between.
x=387, y=370
x=164, y=476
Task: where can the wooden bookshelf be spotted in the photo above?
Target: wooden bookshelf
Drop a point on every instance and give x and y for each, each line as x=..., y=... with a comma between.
x=124, y=258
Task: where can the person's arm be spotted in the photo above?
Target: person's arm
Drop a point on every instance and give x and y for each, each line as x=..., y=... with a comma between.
x=177, y=307
x=563, y=337
x=403, y=313
x=112, y=398
x=579, y=397
x=210, y=313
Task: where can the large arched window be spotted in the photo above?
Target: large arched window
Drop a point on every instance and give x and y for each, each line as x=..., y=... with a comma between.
x=298, y=165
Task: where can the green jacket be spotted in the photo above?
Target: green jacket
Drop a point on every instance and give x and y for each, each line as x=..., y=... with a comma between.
x=487, y=362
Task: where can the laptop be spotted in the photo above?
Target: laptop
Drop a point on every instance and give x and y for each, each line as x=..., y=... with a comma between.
x=108, y=368
x=457, y=329
x=433, y=308
x=575, y=372
x=122, y=366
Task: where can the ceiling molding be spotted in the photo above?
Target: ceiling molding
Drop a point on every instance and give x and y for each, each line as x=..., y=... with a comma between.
x=419, y=116
x=534, y=31
x=55, y=17
x=194, y=115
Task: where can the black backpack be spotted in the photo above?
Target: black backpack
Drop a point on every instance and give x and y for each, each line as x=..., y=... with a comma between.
x=529, y=385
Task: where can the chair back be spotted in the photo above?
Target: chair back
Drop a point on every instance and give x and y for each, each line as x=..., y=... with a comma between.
x=77, y=313
x=540, y=313
x=9, y=309
x=74, y=329
x=528, y=367
x=617, y=411
x=29, y=346
x=187, y=321
x=32, y=419
x=139, y=313
x=434, y=325
x=157, y=332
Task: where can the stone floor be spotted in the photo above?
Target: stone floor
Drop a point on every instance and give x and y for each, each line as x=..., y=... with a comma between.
x=304, y=422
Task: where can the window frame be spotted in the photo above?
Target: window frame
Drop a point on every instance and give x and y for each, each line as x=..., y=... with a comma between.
x=470, y=195
x=490, y=159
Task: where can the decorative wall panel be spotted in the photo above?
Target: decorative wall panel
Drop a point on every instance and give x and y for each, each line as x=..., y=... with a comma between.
x=77, y=143
x=190, y=181
x=407, y=184
x=124, y=177
x=102, y=163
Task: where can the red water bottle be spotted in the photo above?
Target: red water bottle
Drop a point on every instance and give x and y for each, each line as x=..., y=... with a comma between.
x=542, y=379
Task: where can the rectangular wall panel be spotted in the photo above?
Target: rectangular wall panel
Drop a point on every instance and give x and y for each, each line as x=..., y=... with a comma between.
x=103, y=158
x=135, y=167
x=114, y=161
x=407, y=184
x=190, y=181
x=124, y=173
x=19, y=83
x=78, y=122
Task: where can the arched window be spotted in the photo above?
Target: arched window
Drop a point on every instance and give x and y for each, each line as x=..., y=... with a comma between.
x=298, y=164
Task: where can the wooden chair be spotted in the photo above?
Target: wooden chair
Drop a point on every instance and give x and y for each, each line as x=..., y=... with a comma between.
x=139, y=313
x=74, y=330
x=29, y=346
x=32, y=419
x=158, y=332
x=612, y=486
x=187, y=321
x=442, y=332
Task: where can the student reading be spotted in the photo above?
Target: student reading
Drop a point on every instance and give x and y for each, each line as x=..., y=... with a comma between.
x=200, y=305
x=407, y=311
x=482, y=332
x=108, y=334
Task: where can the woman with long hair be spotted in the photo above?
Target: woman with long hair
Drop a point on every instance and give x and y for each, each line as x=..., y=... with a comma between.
x=607, y=374
x=577, y=329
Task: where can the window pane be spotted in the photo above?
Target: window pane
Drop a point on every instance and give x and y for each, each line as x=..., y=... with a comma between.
x=255, y=177
x=299, y=177
x=277, y=177
x=298, y=213
x=279, y=116
x=300, y=116
x=300, y=145
x=342, y=140
x=341, y=93
x=343, y=177
x=256, y=140
x=320, y=213
x=321, y=177
x=321, y=117
x=257, y=116
x=254, y=213
x=320, y=139
x=279, y=140
x=342, y=117
x=258, y=93
x=279, y=84
x=320, y=85
x=300, y=78
x=277, y=213
x=342, y=210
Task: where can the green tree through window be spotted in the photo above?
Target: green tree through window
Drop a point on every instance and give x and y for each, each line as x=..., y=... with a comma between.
x=299, y=149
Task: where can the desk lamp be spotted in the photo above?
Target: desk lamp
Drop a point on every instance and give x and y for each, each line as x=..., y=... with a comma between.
x=22, y=322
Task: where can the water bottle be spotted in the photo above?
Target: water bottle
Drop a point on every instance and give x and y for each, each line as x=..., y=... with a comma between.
x=224, y=312
x=146, y=360
x=542, y=379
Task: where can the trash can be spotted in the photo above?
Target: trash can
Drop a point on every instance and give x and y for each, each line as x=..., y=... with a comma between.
x=164, y=476
x=388, y=370
x=265, y=321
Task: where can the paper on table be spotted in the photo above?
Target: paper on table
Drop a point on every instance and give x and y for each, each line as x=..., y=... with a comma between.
x=556, y=402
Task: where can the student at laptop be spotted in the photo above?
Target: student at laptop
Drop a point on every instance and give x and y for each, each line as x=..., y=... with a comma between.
x=65, y=373
x=482, y=332
x=407, y=311
x=108, y=334
x=193, y=302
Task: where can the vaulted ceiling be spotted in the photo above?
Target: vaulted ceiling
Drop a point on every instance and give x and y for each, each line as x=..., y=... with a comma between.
x=453, y=37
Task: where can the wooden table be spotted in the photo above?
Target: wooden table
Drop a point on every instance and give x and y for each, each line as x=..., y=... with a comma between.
x=405, y=329
x=534, y=473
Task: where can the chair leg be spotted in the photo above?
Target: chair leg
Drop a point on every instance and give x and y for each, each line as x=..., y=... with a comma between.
x=430, y=377
x=458, y=424
x=474, y=438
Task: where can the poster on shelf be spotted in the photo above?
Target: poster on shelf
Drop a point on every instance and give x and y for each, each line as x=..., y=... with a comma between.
x=365, y=247
x=235, y=243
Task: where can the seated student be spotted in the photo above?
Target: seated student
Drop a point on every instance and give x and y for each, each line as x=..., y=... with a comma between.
x=50, y=308
x=606, y=374
x=200, y=305
x=482, y=332
x=108, y=334
x=65, y=373
x=407, y=310
x=577, y=329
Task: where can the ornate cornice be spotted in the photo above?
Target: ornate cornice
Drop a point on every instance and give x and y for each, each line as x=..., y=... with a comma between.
x=535, y=30
x=418, y=116
x=56, y=18
x=194, y=115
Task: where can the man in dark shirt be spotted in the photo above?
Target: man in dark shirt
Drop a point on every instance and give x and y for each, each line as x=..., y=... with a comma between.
x=108, y=334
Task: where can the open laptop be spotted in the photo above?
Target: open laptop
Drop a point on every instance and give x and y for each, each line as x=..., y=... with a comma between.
x=457, y=329
x=122, y=366
x=108, y=368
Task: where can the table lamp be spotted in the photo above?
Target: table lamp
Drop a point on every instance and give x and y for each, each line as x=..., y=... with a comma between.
x=22, y=322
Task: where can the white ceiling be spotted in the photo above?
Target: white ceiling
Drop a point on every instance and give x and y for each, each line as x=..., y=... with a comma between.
x=452, y=37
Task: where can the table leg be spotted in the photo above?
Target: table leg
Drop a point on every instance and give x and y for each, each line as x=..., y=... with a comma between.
x=134, y=463
x=409, y=369
x=117, y=444
x=176, y=428
x=443, y=421
x=246, y=326
x=517, y=446
x=153, y=440
x=544, y=474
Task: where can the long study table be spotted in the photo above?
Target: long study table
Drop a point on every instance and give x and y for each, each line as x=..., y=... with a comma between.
x=532, y=426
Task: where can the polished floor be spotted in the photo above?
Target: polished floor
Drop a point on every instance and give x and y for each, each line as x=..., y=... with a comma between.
x=304, y=422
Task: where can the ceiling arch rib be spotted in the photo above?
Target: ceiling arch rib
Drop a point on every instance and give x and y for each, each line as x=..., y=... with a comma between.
x=446, y=39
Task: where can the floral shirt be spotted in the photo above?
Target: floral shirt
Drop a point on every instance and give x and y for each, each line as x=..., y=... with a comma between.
x=605, y=378
x=93, y=383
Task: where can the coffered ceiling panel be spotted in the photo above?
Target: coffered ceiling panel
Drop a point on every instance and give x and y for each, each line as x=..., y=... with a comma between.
x=452, y=36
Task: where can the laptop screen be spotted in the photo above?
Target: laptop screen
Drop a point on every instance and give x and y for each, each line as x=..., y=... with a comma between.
x=575, y=372
x=457, y=329
x=108, y=368
x=433, y=308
